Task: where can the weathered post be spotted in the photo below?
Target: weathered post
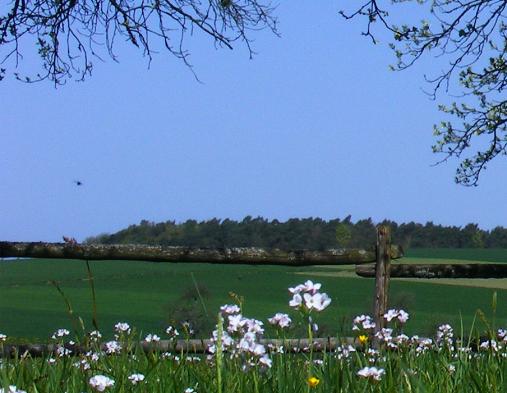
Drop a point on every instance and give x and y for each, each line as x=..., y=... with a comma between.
x=382, y=269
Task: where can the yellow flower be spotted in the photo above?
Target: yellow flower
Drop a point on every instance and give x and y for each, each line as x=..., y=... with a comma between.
x=312, y=381
x=363, y=338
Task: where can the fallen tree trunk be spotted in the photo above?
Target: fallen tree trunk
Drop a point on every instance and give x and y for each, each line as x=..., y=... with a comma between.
x=251, y=255
x=439, y=271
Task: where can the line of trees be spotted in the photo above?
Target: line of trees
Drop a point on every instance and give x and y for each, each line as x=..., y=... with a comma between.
x=306, y=233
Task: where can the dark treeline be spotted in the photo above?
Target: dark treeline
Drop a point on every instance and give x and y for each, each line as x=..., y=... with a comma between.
x=306, y=233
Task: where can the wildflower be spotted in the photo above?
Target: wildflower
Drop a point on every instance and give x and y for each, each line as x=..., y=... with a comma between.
x=172, y=332
x=189, y=390
x=82, y=364
x=371, y=373
x=280, y=320
x=122, y=327
x=318, y=301
x=152, y=338
x=489, y=345
x=61, y=351
x=344, y=352
x=136, y=378
x=451, y=368
x=363, y=322
x=12, y=389
x=308, y=286
x=445, y=335
x=60, y=333
x=309, y=292
x=265, y=361
x=100, y=382
x=95, y=335
x=401, y=315
x=313, y=382
x=3, y=337
x=112, y=347
x=230, y=309
x=385, y=334
x=296, y=301
x=363, y=339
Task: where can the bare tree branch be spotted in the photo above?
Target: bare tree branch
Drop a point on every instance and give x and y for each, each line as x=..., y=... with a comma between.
x=68, y=34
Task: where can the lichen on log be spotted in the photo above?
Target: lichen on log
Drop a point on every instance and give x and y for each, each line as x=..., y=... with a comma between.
x=475, y=270
x=236, y=255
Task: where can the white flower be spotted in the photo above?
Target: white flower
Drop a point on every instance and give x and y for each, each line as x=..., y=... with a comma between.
x=122, y=327
x=229, y=309
x=296, y=301
x=280, y=320
x=371, y=372
x=265, y=361
x=60, y=333
x=61, y=351
x=100, y=382
x=403, y=316
x=363, y=322
x=112, y=347
x=95, y=335
x=172, y=332
x=385, y=334
x=152, y=338
x=318, y=301
x=235, y=323
x=136, y=378
x=189, y=390
x=12, y=389
x=3, y=337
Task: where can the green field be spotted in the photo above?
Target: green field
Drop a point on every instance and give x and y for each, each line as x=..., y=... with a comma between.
x=146, y=294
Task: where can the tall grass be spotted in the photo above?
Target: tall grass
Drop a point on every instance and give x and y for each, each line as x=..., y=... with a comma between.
x=449, y=361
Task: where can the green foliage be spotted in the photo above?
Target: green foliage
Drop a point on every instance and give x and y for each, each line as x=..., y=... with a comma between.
x=307, y=233
x=471, y=38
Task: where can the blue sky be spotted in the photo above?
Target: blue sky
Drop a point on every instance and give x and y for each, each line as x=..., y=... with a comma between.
x=314, y=125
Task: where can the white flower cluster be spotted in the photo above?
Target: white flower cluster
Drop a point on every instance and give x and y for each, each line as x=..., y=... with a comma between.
x=307, y=296
x=152, y=338
x=172, y=332
x=136, y=378
x=95, y=335
x=60, y=333
x=112, y=347
x=363, y=323
x=400, y=315
x=241, y=338
x=3, y=337
x=100, y=382
x=122, y=328
x=280, y=320
x=445, y=336
x=12, y=389
x=344, y=352
x=371, y=373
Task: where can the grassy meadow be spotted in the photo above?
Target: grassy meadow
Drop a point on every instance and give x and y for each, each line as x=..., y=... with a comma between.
x=150, y=296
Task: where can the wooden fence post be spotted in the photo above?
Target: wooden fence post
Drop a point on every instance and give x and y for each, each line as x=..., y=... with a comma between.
x=382, y=268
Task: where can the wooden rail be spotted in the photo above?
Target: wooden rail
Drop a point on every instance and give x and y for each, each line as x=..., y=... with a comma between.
x=476, y=270
x=251, y=255
x=193, y=346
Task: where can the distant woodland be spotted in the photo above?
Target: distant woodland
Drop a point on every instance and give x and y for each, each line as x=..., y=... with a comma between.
x=305, y=233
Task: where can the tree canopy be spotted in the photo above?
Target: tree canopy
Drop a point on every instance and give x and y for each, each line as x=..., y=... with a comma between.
x=68, y=35
x=471, y=35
